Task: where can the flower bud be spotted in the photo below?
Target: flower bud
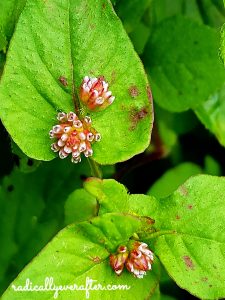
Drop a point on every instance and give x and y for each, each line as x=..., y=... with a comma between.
x=117, y=261
x=94, y=93
x=140, y=259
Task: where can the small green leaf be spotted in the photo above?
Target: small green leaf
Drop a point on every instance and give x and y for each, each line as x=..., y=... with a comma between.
x=212, y=166
x=80, y=206
x=79, y=252
x=183, y=62
x=172, y=179
x=212, y=114
x=131, y=12
x=193, y=253
x=113, y=197
x=68, y=46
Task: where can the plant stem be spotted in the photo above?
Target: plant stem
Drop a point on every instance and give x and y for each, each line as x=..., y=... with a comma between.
x=95, y=169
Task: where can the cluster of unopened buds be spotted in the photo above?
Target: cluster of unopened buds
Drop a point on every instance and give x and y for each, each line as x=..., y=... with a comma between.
x=94, y=93
x=138, y=260
x=73, y=136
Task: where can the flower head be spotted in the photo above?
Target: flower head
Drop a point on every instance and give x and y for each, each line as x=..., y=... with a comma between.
x=73, y=136
x=117, y=261
x=140, y=259
x=94, y=93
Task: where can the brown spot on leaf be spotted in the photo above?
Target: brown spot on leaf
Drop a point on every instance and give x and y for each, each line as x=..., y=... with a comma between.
x=188, y=262
x=149, y=221
x=133, y=91
x=149, y=93
x=136, y=116
x=63, y=80
x=204, y=279
x=190, y=206
x=183, y=190
x=103, y=5
x=178, y=217
x=102, y=241
x=96, y=259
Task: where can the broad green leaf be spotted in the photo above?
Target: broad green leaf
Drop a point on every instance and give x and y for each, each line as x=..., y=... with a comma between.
x=74, y=39
x=80, y=206
x=193, y=249
x=32, y=212
x=9, y=13
x=82, y=251
x=183, y=63
x=172, y=179
x=212, y=114
x=131, y=12
x=25, y=164
x=113, y=197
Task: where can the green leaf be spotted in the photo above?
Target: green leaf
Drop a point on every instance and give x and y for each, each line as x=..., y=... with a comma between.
x=193, y=253
x=81, y=38
x=25, y=163
x=131, y=12
x=139, y=37
x=81, y=251
x=9, y=13
x=212, y=166
x=32, y=212
x=113, y=197
x=80, y=206
x=183, y=62
x=172, y=179
x=212, y=114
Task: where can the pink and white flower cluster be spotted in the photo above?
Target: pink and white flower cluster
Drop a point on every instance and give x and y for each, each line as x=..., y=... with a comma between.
x=94, y=93
x=73, y=136
x=138, y=260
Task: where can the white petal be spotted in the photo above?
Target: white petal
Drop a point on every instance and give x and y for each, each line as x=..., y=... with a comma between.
x=57, y=129
x=90, y=137
x=82, y=136
x=67, y=129
x=99, y=101
x=82, y=147
x=86, y=79
x=61, y=143
x=62, y=154
x=67, y=149
x=111, y=99
x=64, y=137
x=75, y=154
x=87, y=120
x=97, y=137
